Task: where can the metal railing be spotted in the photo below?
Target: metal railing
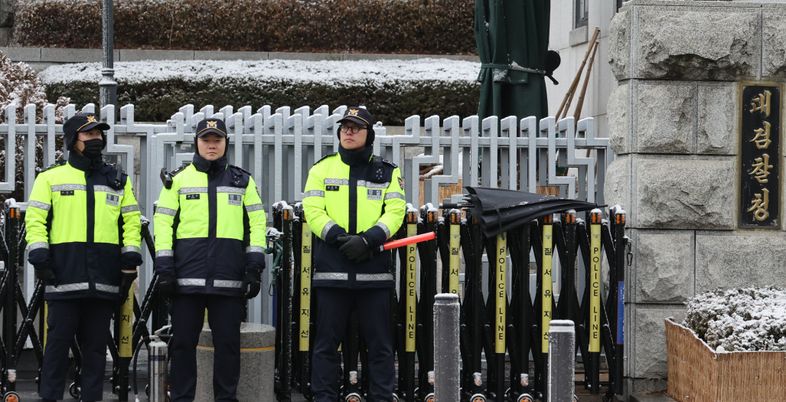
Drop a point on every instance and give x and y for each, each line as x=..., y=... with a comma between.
x=278, y=146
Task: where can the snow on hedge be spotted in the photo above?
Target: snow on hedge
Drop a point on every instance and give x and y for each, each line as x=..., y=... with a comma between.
x=335, y=72
x=749, y=319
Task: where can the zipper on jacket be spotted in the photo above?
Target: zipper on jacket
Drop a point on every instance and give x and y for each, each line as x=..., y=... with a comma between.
x=353, y=204
x=91, y=222
x=212, y=218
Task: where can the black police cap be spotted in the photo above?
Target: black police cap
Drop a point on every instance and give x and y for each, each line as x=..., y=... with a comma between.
x=78, y=123
x=358, y=115
x=211, y=126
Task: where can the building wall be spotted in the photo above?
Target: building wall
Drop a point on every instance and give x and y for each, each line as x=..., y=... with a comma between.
x=678, y=128
x=572, y=43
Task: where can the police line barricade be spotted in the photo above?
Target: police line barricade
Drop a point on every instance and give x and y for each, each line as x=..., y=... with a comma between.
x=303, y=324
x=11, y=295
x=131, y=319
x=283, y=217
x=501, y=327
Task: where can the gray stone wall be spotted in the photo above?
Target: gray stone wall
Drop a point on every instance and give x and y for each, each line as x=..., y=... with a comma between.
x=674, y=124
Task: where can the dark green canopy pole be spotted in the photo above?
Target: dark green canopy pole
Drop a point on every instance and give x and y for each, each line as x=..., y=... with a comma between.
x=512, y=37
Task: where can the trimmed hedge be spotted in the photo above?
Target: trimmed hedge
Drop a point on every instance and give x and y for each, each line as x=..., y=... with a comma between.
x=388, y=26
x=157, y=101
x=393, y=89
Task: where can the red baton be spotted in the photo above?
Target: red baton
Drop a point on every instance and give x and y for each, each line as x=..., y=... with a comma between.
x=407, y=241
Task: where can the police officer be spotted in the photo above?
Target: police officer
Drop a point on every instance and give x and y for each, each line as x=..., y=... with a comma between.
x=83, y=236
x=210, y=237
x=353, y=201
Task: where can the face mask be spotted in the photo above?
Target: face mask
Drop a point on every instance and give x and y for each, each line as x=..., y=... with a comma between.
x=93, y=148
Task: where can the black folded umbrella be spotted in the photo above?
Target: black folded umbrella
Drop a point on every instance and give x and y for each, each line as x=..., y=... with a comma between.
x=501, y=210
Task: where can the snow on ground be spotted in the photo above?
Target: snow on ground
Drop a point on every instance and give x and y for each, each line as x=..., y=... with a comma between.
x=748, y=319
x=334, y=72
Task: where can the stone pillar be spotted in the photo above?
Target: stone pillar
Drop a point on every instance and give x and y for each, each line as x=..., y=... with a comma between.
x=257, y=356
x=674, y=125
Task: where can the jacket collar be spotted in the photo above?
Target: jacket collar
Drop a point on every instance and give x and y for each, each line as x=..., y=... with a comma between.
x=205, y=166
x=83, y=163
x=355, y=157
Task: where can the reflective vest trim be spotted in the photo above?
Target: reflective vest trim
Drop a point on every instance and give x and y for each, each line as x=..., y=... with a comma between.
x=343, y=276
x=192, y=190
x=108, y=189
x=230, y=190
x=128, y=249
x=39, y=205
x=331, y=276
x=107, y=288
x=220, y=283
x=66, y=187
x=255, y=207
x=374, y=277
x=69, y=287
x=129, y=208
x=326, y=229
x=368, y=184
x=314, y=193
x=191, y=282
x=391, y=195
x=166, y=211
x=340, y=182
x=33, y=246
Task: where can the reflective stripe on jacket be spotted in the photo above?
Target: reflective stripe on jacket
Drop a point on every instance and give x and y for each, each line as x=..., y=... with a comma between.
x=367, y=199
x=86, y=218
x=209, y=228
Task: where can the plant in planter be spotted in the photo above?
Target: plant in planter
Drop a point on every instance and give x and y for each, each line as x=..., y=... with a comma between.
x=732, y=320
x=730, y=347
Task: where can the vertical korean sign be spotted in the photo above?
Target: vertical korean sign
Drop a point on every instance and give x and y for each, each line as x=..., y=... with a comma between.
x=760, y=156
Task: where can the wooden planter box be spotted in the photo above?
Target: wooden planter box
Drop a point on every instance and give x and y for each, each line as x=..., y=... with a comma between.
x=699, y=374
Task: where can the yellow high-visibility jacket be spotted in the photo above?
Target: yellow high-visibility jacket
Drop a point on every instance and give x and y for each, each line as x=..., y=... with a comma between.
x=80, y=219
x=366, y=199
x=209, y=228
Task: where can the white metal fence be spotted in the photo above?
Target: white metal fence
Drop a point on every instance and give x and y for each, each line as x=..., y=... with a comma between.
x=279, y=146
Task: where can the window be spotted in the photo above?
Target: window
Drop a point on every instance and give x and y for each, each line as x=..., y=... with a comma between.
x=581, y=15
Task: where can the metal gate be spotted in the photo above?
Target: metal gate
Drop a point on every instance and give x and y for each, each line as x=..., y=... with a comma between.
x=278, y=146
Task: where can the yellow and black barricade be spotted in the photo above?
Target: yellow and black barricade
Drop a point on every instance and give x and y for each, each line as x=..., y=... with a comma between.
x=427, y=252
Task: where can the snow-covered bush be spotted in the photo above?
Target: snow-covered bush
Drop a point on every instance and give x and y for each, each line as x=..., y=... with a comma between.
x=395, y=89
x=389, y=26
x=749, y=319
x=19, y=84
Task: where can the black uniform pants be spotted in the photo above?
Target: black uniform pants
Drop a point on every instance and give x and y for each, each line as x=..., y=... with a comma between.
x=224, y=314
x=88, y=320
x=335, y=306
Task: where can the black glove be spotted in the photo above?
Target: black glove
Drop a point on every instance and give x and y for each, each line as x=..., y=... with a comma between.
x=130, y=260
x=167, y=284
x=44, y=273
x=252, y=282
x=43, y=269
x=126, y=280
x=336, y=236
x=355, y=248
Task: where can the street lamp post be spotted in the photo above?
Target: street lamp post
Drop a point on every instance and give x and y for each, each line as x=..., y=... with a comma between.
x=107, y=85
